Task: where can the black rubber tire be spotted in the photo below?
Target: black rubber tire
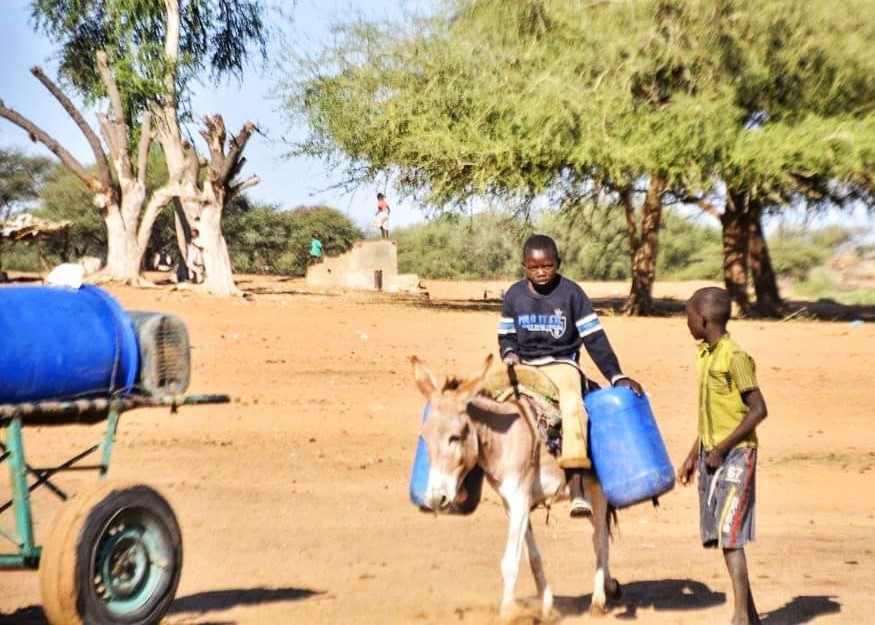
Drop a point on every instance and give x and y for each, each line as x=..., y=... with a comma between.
x=113, y=558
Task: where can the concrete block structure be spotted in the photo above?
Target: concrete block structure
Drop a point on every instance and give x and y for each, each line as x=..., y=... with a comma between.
x=369, y=265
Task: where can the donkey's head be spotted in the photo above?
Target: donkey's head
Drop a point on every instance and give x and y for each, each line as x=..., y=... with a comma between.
x=448, y=433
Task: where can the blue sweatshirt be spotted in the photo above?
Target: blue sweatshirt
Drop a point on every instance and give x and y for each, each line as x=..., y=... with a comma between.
x=546, y=328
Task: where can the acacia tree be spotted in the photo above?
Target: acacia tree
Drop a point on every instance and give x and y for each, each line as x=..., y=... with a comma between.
x=801, y=81
x=518, y=99
x=141, y=56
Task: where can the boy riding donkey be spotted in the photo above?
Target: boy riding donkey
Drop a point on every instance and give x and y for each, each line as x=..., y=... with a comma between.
x=545, y=319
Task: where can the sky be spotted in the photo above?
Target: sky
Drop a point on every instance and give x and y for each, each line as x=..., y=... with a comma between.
x=287, y=182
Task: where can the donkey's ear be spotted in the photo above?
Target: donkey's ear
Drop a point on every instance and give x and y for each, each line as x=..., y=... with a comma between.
x=425, y=380
x=474, y=384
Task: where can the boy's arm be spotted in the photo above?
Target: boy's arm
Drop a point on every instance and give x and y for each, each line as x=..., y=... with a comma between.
x=756, y=412
x=742, y=371
x=685, y=471
x=597, y=345
x=507, y=336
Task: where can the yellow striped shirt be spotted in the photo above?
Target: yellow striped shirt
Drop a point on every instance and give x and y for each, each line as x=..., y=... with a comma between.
x=725, y=372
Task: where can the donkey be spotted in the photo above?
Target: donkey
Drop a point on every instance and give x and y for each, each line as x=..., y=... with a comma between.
x=466, y=429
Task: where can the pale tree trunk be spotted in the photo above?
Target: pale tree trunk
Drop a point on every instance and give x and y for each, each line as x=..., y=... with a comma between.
x=202, y=203
x=128, y=229
x=123, y=256
x=218, y=277
x=201, y=200
x=644, y=245
x=202, y=209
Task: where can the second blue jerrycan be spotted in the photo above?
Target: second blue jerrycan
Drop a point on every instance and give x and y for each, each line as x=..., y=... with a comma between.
x=628, y=453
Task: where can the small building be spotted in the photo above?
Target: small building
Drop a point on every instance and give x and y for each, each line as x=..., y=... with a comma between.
x=369, y=265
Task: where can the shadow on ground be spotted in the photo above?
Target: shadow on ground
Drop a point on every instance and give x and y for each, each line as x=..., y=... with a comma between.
x=802, y=610
x=663, y=594
x=215, y=600
x=689, y=595
x=199, y=603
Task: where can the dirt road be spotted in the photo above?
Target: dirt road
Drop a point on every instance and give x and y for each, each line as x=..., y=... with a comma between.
x=293, y=498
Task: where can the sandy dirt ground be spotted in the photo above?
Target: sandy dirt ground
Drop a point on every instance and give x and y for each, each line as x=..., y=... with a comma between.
x=293, y=502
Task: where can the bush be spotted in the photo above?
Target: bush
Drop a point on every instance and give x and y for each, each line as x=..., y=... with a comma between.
x=267, y=240
x=688, y=250
x=484, y=245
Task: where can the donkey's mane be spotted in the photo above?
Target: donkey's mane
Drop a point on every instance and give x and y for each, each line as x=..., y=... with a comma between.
x=452, y=384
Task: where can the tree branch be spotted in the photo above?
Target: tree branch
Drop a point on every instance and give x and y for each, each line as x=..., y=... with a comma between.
x=249, y=182
x=90, y=136
x=631, y=226
x=704, y=204
x=234, y=162
x=38, y=134
x=159, y=199
x=143, y=148
x=117, y=123
x=214, y=135
x=108, y=134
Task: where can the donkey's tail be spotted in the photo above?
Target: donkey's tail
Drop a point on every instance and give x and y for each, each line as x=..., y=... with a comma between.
x=613, y=520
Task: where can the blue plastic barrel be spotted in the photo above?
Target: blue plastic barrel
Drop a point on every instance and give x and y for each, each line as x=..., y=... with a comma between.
x=58, y=343
x=628, y=453
x=419, y=473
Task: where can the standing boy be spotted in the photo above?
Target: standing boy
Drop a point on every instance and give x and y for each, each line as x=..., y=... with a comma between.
x=381, y=221
x=545, y=318
x=725, y=452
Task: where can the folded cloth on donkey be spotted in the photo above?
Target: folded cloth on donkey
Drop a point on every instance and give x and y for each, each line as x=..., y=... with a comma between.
x=537, y=387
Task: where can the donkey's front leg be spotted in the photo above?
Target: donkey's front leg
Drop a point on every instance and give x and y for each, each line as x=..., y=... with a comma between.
x=537, y=566
x=604, y=585
x=517, y=505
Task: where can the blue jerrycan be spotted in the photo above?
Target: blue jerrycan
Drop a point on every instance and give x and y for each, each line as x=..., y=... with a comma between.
x=419, y=473
x=58, y=343
x=472, y=485
x=628, y=453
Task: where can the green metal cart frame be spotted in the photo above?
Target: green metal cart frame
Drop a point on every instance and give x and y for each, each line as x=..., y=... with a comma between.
x=120, y=557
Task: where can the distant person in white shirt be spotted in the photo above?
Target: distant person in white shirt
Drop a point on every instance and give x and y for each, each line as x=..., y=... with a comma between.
x=194, y=257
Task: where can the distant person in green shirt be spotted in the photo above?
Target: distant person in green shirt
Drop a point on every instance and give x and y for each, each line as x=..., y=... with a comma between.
x=315, y=249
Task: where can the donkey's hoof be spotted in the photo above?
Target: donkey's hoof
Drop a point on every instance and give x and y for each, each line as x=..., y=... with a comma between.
x=613, y=589
x=547, y=612
x=598, y=610
x=509, y=611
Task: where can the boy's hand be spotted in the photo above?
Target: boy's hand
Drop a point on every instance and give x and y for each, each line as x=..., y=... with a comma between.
x=511, y=358
x=685, y=472
x=632, y=384
x=715, y=458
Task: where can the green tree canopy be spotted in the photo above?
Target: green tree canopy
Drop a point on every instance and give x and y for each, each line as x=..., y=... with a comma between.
x=21, y=179
x=758, y=102
x=214, y=34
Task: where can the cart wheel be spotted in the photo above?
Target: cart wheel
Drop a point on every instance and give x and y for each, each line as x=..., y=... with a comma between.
x=114, y=557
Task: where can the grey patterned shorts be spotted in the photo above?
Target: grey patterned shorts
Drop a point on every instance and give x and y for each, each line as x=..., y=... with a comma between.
x=727, y=499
